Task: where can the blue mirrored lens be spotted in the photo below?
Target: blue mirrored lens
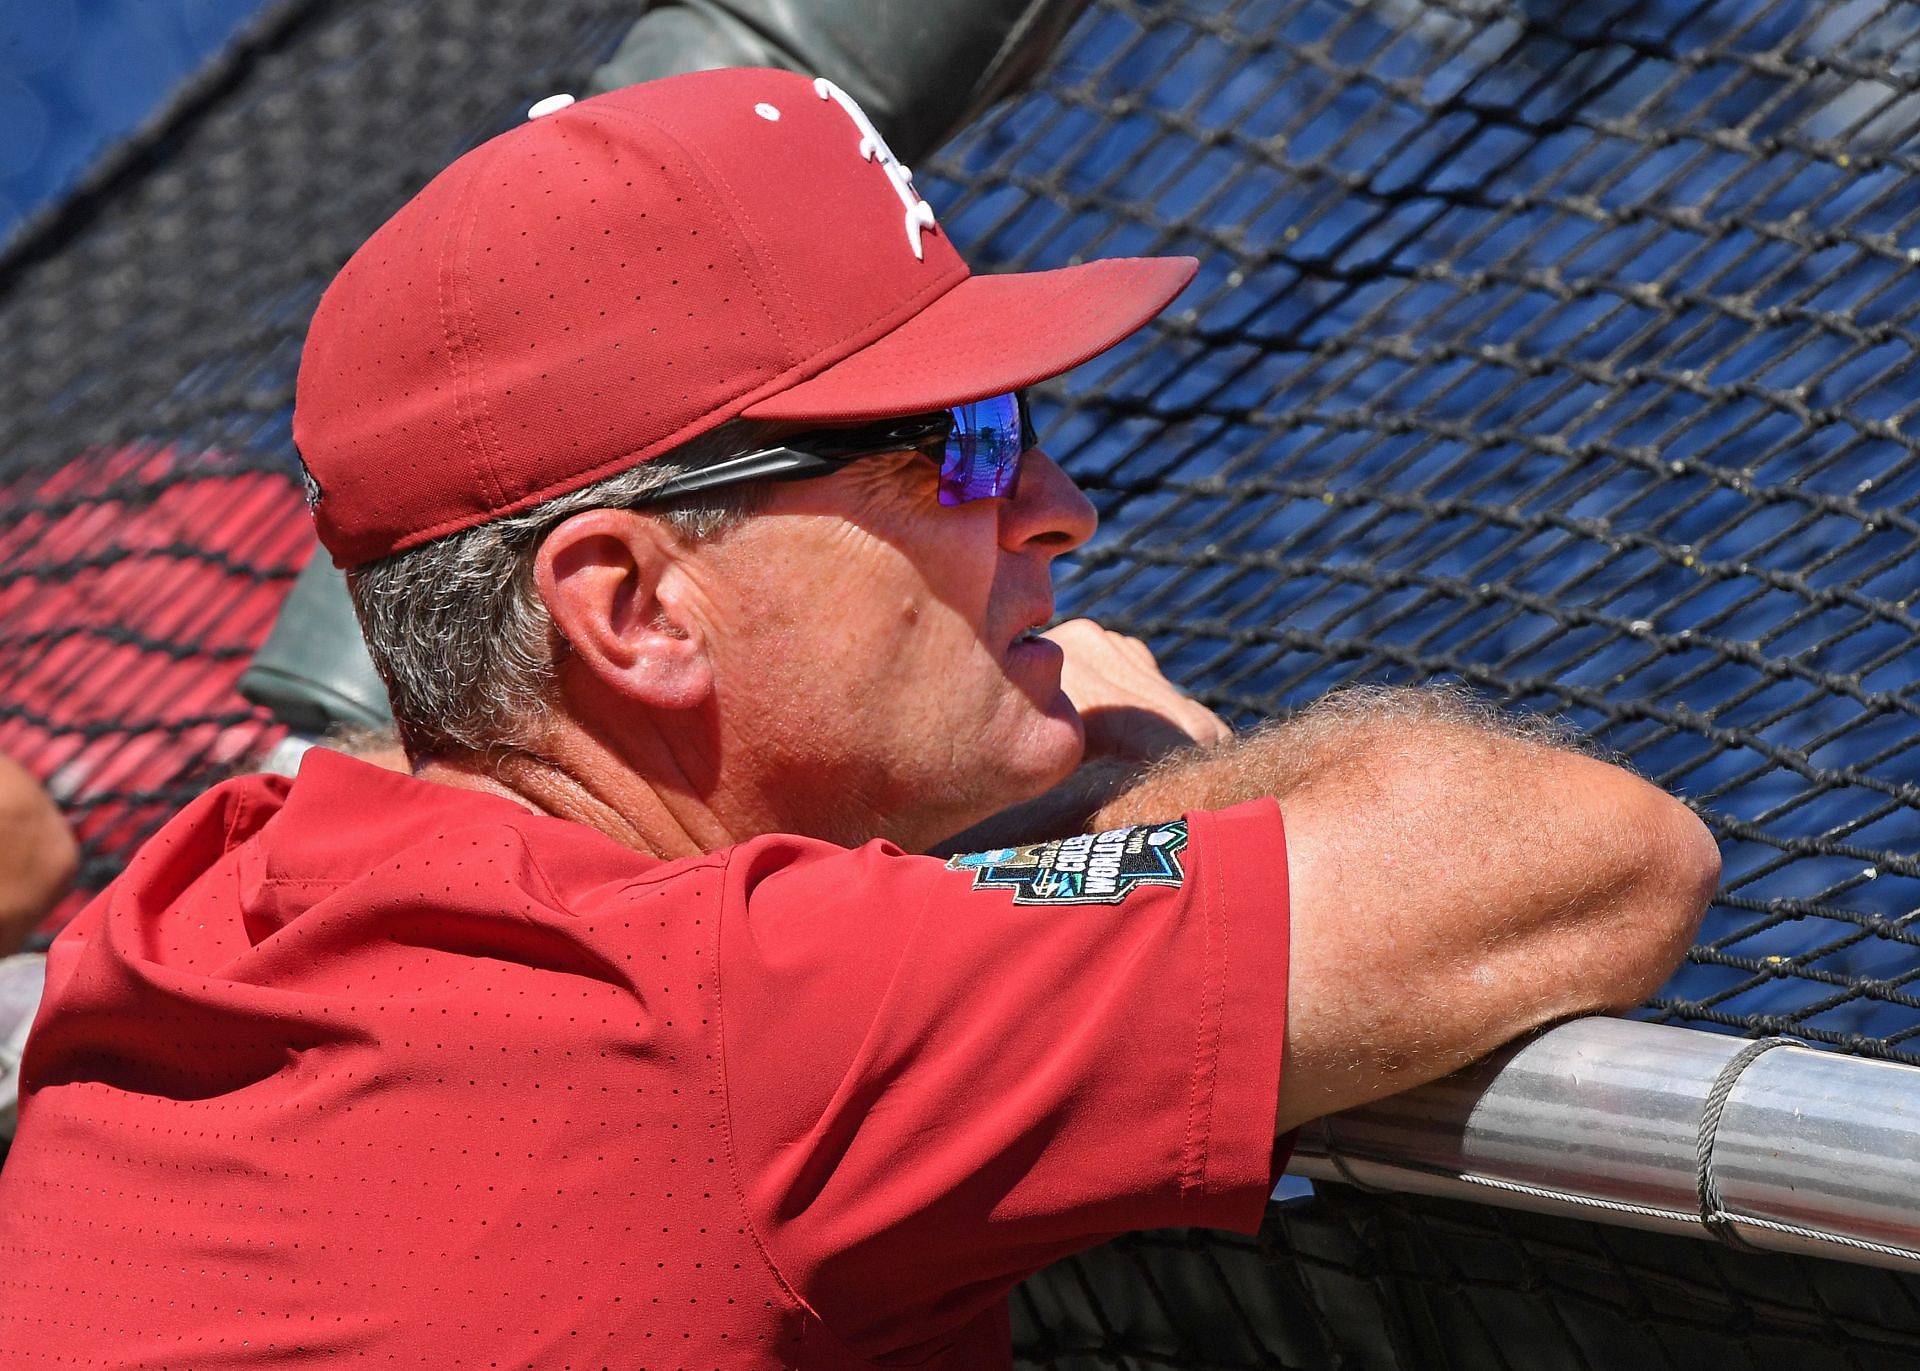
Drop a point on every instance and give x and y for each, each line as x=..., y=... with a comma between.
x=982, y=460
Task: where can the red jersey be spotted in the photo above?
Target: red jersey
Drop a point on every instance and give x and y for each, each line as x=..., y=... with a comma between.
x=368, y=1070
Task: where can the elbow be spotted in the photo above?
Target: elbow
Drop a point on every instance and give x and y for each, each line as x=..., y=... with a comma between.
x=1697, y=862
x=1685, y=870
x=1674, y=871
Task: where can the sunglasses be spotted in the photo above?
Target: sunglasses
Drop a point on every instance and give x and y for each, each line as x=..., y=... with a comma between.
x=977, y=446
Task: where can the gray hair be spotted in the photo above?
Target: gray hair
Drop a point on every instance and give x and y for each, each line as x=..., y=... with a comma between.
x=460, y=635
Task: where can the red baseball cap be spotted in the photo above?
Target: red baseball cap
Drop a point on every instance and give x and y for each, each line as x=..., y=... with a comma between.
x=603, y=283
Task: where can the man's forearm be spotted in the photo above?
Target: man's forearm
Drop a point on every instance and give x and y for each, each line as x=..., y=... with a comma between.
x=1339, y=731
x=1454, y=878
x=1350, y=729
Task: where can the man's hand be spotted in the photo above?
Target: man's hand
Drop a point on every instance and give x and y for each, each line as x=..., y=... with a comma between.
x=1131, y=711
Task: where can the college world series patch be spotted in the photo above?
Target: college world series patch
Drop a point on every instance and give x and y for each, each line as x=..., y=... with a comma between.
x=1094, y=868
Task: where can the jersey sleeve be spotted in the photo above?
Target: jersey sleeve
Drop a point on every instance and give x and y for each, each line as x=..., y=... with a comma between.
x=942, y=1076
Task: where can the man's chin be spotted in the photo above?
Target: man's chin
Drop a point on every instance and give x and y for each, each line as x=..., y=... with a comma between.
x=1052, y=751
x=1062, y=741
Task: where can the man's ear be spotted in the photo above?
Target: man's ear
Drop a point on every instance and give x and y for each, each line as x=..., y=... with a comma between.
x=614, y=580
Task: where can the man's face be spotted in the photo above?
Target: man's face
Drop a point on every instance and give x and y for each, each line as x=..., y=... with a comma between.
x=874, y=668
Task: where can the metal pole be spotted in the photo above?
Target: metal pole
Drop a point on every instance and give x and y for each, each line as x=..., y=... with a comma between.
x=1772, y=1146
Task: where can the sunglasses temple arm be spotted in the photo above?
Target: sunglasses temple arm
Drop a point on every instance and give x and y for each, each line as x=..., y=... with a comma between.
x=772, y=463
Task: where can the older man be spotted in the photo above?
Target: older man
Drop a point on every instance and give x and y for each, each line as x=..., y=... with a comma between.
x=685, y=488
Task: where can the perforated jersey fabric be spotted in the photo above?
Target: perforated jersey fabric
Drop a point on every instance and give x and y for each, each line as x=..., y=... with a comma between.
x=360, y=1068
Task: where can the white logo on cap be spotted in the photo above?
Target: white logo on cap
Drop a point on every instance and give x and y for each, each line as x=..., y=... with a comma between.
x=874, y=149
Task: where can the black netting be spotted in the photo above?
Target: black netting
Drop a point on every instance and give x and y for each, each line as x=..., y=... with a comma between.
x=1352, y=1282
x=1564, y=350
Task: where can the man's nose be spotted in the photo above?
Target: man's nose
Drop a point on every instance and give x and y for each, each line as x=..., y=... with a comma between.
x=1047, y=510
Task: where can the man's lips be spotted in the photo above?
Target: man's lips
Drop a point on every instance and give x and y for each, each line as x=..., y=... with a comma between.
x=1029, y=651
x=1032, y=622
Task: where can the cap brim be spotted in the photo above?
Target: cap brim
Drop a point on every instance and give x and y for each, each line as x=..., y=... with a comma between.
x=986, y=336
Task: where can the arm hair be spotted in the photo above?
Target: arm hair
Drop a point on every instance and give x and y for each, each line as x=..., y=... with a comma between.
x=1457, y=878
